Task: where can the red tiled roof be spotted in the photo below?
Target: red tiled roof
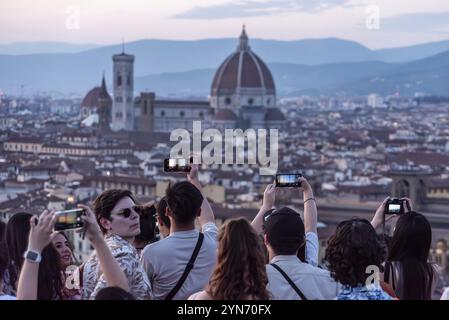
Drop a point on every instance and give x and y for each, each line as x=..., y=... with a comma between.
x=274, y=114
x=225, y=115
x=92, y=97
x=253, y=73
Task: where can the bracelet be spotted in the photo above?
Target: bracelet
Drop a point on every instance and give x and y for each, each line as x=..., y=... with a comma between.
x=309, y=199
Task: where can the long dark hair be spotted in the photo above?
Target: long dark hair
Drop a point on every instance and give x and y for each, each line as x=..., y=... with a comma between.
x=240, y=270
x=410, y=247
x=17, y=231
x=49, y=277
x=2, y=231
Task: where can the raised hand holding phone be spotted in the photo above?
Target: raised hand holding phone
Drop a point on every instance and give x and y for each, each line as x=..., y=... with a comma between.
x=41, y=231
x=269, y=196
x=90, y=228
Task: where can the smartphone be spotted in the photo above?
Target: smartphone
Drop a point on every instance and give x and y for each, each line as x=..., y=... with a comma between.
x=69, y=219
x=177, y=165
x=288, y=180
x=394, y=206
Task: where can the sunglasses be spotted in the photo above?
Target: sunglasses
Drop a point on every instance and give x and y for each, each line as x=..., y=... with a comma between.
x=127, y=211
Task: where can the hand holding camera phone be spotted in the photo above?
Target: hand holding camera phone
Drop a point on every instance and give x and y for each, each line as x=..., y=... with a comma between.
x=288, y=180
x=177, y=165
x=69, y=219
x=396, y=206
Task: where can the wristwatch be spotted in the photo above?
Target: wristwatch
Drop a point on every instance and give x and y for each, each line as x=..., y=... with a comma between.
x=32, y=256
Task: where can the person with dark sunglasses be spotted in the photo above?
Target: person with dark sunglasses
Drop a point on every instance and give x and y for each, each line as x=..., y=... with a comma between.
x=119, y=219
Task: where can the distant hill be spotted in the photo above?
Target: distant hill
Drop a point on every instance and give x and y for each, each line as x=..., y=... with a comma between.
x=288, y=77
x=187, y=67
x=18, y=48
x=430, y=75
x=416, y=52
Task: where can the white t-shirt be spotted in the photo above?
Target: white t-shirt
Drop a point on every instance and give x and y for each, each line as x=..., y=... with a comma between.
x=164, y=261
x=312, y=248
x=314, y=283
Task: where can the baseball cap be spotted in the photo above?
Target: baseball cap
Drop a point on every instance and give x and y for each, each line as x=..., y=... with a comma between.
x=284, y=228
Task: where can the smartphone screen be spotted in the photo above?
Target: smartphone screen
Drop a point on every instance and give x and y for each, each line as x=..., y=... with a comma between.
x=177, y=165
x=69, y=219
x=288, y=180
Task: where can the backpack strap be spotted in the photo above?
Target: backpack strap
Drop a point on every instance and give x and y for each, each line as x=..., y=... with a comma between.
x=290, y=281
x=188, y=268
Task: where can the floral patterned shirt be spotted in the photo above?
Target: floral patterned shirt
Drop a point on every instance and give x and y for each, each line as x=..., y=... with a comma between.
x=371, y=292
x=128, y=259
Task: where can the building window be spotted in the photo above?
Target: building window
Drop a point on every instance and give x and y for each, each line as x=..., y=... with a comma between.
x=162, y=113
x=129, y=99
x=128, y=80
x=118, y=99
x=181, y=114
x=201, y=115
x=145, y=107
x=268, y=101
x=228, y=101
x=250, y=101
x=119, y=80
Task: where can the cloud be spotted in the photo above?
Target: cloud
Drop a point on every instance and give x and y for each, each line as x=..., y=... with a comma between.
x=430, y=22
x=254, y=8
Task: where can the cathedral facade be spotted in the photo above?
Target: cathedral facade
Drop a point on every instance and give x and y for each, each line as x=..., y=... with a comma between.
x=243, y=95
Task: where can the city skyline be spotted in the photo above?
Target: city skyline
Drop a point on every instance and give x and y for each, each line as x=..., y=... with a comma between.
x=400, y=24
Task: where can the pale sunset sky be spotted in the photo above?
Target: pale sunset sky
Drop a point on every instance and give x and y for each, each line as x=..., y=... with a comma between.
x=401, y=23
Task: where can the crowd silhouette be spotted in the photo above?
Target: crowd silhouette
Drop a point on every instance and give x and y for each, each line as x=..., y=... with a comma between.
x=173, y=249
